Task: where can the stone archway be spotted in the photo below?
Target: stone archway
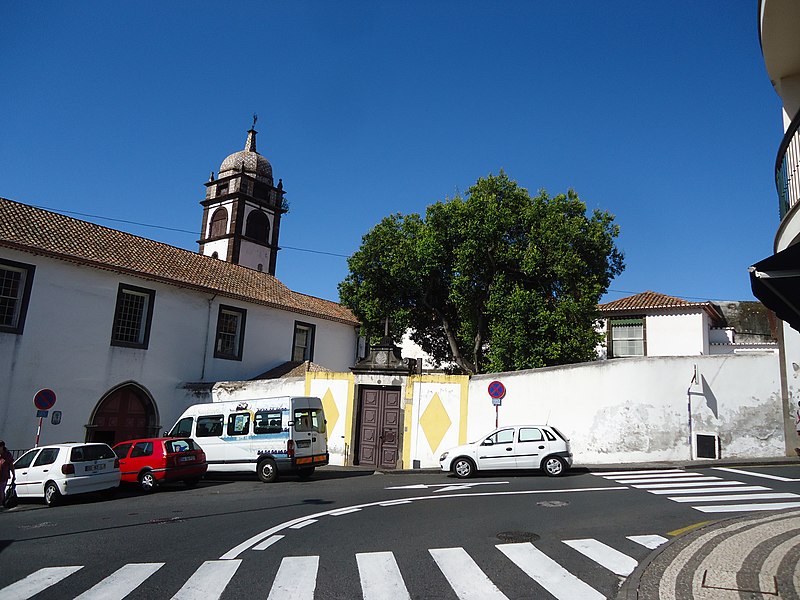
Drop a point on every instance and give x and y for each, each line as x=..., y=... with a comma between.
x=124, y=413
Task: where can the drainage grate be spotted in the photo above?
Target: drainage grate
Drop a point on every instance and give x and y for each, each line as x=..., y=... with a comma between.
x=517, y=536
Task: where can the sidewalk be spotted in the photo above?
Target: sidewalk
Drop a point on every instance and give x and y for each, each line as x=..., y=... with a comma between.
x=743, y=557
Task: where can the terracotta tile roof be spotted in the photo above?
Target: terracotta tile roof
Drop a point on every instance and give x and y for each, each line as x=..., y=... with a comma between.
x=653, y=300
x=39, y=231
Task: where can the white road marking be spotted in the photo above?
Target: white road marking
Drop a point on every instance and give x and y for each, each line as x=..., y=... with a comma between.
x=302, y=524
x=344, y=511
x=605, y=556
x=548, y=573
x=712, y=490
x=423, y=486
x=296, y=579
x=208, y=581
x=268, y=542
x=380, y=577
x=751, y=474
x=608, y=473
x=259, y=537
x=648, y=541
x=121, y=583
x=465, y=577
x=675, y=475
x=655, y=486
x=671, y=480
x=746, y=507
x=733, y=497
x=36, y=582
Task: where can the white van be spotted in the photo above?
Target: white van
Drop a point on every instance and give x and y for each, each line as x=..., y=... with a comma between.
x=266, y=435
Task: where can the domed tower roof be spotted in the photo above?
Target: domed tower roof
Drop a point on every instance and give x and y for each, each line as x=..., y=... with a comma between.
x=247, y=160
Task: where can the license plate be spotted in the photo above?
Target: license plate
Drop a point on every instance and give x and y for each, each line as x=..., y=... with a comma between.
x=187, y=458
x=90, y=468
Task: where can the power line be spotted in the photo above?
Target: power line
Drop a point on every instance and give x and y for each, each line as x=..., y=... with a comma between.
x=138, y=223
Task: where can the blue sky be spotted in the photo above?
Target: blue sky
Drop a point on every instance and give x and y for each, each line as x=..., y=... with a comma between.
x=659, y=112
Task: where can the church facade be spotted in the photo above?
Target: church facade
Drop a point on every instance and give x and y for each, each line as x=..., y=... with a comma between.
x=118, y=325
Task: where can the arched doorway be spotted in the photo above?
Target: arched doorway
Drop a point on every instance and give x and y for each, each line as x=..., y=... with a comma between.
x=125, y=413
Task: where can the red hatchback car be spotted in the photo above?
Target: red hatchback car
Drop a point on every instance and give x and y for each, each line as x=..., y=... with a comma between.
x=150, y=462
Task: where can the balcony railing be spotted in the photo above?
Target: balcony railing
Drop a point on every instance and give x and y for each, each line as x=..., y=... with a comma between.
x=787, y=168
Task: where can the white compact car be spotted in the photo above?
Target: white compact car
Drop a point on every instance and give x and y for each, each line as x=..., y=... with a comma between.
x=57, y=470
x=512, y=447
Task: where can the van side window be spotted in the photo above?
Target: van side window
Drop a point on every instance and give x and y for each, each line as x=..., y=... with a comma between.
x=268, y=422
x=239, y=424
x=183, y=428
x=309, y=419
x=209, y=426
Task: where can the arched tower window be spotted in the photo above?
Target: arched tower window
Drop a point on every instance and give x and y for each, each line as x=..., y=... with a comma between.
x=219, y=223
x=257, y=226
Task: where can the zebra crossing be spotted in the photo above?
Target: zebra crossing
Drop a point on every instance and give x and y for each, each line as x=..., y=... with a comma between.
x=379, y=574
x=705, y=493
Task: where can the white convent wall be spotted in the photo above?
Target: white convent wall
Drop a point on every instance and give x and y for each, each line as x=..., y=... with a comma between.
x=635, y=410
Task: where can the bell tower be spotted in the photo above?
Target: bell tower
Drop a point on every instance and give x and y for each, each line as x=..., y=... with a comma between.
x=242, y=210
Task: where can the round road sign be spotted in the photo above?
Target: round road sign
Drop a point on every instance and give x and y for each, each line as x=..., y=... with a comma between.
x=497, y=389
x=44, y=399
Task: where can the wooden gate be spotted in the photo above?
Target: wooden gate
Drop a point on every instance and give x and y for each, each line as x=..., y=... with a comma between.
x=379, y=430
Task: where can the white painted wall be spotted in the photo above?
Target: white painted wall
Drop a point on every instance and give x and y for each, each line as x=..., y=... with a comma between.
x=670, y=334
x=65, y=346
x=637, y=409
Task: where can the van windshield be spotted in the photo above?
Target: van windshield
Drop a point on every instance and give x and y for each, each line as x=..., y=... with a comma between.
x=309, y=419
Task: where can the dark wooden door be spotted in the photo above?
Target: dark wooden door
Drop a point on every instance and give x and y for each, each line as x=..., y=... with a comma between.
x=379, y=441
x=123, y=415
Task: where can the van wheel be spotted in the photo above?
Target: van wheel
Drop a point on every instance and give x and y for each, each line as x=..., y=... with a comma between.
x=306, y=473
x=147, y=481
x=463, y=468
x=51, y=494
x=267, y=470
x=554, y=466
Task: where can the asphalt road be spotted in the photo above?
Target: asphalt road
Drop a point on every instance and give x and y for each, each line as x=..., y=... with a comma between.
x=351, y=534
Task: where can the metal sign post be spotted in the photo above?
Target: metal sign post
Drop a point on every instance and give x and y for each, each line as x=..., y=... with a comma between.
x=496, y=392
x=43, y=400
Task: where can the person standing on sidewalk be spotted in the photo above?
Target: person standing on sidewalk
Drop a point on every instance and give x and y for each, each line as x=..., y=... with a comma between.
x=6, y=470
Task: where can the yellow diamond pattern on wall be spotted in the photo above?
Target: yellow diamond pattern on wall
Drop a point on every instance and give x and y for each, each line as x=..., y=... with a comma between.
x=331, y=412
x=435, y=422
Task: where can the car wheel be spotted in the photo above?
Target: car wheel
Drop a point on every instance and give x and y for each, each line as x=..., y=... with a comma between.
x=304, y=474
x=51, y=494
x=554, y=466
x=267, y=470
x=191, y=482
x=147, y=481
x=463, y=468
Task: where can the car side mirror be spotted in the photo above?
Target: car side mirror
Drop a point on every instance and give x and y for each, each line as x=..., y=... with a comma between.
x=487, y=443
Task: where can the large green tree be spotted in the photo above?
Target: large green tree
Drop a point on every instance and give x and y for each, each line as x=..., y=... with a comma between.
x=495, y=281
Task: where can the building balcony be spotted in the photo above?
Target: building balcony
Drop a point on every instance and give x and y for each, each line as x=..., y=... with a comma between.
x=787, y=168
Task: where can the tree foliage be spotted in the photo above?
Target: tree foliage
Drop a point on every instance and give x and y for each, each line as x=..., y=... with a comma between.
x=495, y=281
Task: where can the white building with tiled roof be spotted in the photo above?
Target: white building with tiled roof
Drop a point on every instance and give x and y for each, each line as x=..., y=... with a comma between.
x=653, y=324
x=117, y=325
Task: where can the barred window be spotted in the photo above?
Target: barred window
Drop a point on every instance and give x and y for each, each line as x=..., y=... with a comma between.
x=230, y=333
x=132, y=317
x=16, y=280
